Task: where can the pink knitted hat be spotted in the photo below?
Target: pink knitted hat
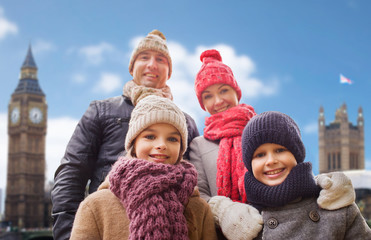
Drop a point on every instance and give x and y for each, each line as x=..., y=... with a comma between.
x=214, y=71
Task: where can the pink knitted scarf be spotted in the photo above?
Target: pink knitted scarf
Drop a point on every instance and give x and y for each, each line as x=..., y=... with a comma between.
x=154, y=196
x=227, y=127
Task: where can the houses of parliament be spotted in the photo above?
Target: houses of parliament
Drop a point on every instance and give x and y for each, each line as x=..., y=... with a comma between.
x=342, y=148
x=27, y=204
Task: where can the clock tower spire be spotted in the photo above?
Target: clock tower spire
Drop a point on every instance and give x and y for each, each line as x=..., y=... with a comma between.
x=28, y=82
x=27, y=123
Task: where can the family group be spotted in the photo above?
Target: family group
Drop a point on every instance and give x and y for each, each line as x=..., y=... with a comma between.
x=150, y=175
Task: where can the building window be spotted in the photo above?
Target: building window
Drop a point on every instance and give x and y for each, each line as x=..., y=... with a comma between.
x=37, y=150
x=353, y=161
x=333, y=161
x=329, y=161
x=339, y=160
x=30, y=144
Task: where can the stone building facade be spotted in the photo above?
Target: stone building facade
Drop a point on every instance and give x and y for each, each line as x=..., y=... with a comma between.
x=341, y=144
x=342, y=148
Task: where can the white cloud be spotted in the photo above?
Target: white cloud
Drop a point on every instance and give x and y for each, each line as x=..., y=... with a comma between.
x=78, y=78
x=94, y=54
x=6, y=27
x=3, y=154
x=243, y=68
x=135, y=41
x=42, y=46
x=59, y=133
x=108, y=83
x=311, y=128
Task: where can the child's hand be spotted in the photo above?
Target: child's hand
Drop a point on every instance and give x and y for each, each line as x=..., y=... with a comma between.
x=337, y=190
x=238, y=221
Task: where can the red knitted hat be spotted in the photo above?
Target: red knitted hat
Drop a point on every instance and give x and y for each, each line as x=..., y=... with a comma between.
x=214, y=71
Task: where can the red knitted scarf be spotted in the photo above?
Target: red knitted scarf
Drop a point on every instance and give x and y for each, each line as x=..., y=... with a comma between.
x=227, y=127
x=154, y=196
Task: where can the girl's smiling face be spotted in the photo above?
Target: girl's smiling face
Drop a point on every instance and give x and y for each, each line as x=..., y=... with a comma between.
x=158, y=143
x=272, y=163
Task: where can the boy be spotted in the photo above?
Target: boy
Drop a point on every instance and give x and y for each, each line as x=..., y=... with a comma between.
x=281, y=185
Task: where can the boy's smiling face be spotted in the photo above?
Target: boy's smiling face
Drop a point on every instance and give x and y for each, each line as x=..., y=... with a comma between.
x=272, y=163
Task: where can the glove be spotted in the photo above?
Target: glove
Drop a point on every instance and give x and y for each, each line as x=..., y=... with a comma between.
x=337, y=190
x=238, y=221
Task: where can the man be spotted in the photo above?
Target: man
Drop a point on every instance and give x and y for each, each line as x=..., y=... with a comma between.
x=100, y=135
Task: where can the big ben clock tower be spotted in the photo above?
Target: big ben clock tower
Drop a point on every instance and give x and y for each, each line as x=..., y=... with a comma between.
x=24, y=205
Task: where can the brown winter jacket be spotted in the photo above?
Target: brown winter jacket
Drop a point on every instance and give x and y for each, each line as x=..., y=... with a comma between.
x=102, y=216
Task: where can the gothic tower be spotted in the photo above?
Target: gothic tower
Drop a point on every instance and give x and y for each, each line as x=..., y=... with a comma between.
x=26, y=150
x=341, y=144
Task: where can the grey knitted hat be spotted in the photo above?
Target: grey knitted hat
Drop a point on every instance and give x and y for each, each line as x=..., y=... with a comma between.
x=155, y=41
x=152, y=110
x=271, y=127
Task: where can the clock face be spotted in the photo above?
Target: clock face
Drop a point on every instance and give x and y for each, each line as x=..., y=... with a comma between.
x=14, y=115
x=35, y=115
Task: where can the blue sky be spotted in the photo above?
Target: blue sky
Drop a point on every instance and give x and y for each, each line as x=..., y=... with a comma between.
x=286, y=55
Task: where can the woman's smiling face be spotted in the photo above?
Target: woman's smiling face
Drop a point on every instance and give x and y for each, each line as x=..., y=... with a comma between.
x=218, y=98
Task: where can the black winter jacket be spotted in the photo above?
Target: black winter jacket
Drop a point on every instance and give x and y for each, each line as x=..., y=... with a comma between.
x=95, y=145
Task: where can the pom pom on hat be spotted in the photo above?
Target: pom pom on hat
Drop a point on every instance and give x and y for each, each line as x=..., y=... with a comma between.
x=214, y=71
x=271, y=127
x=158, y=33
x=155, y=41
x=152, y=110
x=212, y=53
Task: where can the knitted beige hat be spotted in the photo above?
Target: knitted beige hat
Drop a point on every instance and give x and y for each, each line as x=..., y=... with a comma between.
x=152, y=110
x=154, y=41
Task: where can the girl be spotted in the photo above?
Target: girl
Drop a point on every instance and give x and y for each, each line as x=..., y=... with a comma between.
x=217, y=154
x=281, y=185
x=150, y=193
